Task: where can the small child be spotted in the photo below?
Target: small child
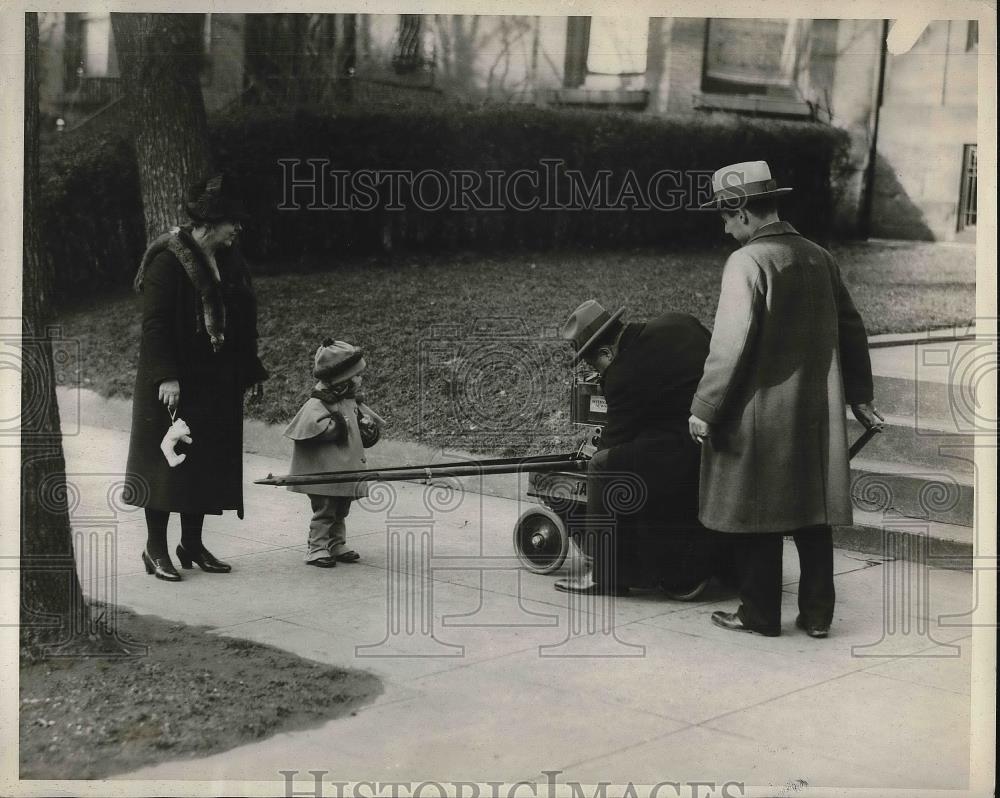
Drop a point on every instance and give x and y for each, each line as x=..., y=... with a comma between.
x=331, y=432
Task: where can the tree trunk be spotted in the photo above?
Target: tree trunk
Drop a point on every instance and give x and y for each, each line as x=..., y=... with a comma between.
x=52, y=608
x=159, y=62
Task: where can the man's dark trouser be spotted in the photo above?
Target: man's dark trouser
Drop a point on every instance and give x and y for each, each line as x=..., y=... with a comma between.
x=758, y=560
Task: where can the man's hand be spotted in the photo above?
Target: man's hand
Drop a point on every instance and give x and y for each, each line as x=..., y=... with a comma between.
x=170, y=393
x=586, y=442
x=256, y=393
x=868, y=416
x=699, y=429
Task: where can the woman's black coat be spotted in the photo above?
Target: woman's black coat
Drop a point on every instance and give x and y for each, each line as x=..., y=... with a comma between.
x=212, y=385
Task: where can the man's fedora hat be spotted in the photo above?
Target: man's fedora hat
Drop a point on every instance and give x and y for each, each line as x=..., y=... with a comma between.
x=586, y=324
x=215, y=199
x=337, y=361
x=733, y=185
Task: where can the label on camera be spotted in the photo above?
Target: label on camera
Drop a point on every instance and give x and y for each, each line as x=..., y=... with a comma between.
x=598, y=404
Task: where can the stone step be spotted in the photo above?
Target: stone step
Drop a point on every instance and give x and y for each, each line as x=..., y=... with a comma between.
x=885, y=534
x=929, y=444
x=937, y=377
x=912, y=491
x=947, y=404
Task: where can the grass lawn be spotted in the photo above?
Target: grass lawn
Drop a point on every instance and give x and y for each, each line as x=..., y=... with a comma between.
x=185, y=693
x=463, y=349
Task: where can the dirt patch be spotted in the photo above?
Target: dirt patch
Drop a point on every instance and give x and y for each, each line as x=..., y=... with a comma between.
x=191, y=694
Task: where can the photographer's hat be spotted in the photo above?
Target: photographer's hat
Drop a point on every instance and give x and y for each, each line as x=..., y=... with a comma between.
x=586, y=324
x=337, y=361
x=733, y=185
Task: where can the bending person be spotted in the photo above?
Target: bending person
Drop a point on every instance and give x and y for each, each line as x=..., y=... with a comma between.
x=644, y=477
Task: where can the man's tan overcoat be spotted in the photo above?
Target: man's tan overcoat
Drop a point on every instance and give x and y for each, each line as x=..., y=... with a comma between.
x=788, y=350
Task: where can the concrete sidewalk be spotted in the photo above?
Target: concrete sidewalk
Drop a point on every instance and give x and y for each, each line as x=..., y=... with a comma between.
x=492, y=675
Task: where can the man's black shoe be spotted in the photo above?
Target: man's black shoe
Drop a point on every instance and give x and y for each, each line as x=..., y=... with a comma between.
x=734, y=623
x=813, y=631
x=587, y=586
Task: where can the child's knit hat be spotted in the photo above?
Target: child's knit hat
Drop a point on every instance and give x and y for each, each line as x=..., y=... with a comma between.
x=337, y=361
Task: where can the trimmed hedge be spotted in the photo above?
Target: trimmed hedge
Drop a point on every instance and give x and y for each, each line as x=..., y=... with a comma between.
x=91, y=213
x=91, y=195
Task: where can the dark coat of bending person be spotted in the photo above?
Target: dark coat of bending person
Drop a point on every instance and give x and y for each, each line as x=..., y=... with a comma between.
x=644, y=475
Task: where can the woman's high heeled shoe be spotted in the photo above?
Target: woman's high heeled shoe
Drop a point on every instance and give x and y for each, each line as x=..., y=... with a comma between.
x=162, y=568
x=204, y=559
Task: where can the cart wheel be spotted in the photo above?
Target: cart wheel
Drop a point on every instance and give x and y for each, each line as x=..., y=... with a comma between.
x=540, y=540
x=686, y=593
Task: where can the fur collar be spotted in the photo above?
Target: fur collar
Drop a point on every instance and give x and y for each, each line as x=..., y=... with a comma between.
x=205, y=279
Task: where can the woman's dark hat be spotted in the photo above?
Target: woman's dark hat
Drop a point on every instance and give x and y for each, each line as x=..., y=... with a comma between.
x=215, y=199
x=586, y=324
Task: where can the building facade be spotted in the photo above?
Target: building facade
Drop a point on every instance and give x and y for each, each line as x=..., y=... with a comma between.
x=911, y=118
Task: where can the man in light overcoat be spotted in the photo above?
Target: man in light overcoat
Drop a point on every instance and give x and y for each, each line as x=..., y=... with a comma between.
x=788, y=349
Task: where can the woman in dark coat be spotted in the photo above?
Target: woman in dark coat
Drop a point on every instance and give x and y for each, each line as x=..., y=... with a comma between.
x=197, y=358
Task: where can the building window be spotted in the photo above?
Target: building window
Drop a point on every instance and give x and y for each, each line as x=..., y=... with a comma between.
x=972, y=36
x=605, y=64
x=577, y=42
x=967, y=193
x=97, y=55
x=755, y=56
x=617, y=45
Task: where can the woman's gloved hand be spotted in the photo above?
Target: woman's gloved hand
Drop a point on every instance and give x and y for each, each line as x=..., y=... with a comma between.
x=170, y=393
